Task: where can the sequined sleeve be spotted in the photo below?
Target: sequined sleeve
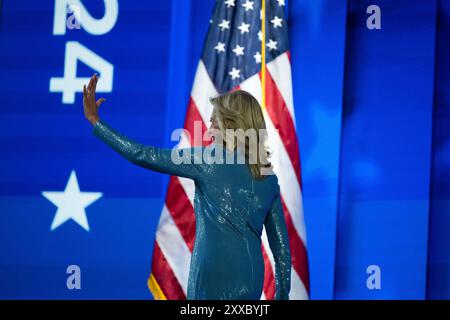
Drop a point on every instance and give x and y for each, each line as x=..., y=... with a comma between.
x=178, y=162
x=279, y=245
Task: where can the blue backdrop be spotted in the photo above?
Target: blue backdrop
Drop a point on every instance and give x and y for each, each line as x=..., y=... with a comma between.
x=373, y=119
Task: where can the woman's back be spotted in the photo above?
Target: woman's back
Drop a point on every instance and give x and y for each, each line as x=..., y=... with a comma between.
x=232, y=190
x=230, y=207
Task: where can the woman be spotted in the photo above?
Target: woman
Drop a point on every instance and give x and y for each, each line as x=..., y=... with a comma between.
x=232, y=202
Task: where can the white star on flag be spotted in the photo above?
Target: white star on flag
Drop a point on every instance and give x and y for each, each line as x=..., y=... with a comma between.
x=272, y=45
x=229, y=3
x=281, y=3
x=276, y=22
x=244, y=27
x=220, y=47
x=225, y=24
x=239, y=51
x=258, y=57
x=234, y=73
x=71, y=203
x=260, y=35
x=248, y=5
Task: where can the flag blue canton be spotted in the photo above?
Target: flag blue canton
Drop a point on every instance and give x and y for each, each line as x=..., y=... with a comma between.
x=232, y=51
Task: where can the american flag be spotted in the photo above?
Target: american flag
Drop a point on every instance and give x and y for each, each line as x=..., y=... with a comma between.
x=232, y=59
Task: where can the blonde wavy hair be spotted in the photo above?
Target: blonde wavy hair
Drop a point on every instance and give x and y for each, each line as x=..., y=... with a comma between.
x=238, y=114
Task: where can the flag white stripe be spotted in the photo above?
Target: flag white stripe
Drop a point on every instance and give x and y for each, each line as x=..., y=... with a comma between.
x=280, y=70
x=174, y=248
x=269, y=253
x=298, y=290
x=265, y=242
x=187, y=184
x=202, y=90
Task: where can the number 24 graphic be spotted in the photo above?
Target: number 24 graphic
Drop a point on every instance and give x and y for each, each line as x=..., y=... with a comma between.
x=70, y=84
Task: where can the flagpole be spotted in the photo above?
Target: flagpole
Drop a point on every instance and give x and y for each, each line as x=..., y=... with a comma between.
x=263, y=54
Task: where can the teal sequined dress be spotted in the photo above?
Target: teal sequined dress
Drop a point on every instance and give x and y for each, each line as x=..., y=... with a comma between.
x=231, y=209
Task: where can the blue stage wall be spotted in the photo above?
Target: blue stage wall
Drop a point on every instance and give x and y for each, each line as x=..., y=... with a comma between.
x=372, y=112
x=385, y=151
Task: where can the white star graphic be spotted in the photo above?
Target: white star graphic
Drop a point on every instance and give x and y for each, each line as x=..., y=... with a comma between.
x=230, y=3
x=276, y=22
x=272, y=45
x=248, y=5
x=220, y=47
x=244, y=27
x=239, y=51
x=258, y=57
x=71, y=203
x=281, y=3
x=234, y=73
x=225, y=24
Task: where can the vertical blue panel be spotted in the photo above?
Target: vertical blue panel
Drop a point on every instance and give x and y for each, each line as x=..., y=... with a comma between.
x=386, y=145
x=317, y=35
x=438, y=285
x=190, y=22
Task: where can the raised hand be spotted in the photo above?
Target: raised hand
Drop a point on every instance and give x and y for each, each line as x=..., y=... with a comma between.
x=90, y=106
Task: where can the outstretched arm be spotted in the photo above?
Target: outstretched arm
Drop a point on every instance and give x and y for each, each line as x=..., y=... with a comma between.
x=279, y=244
x=177, y=162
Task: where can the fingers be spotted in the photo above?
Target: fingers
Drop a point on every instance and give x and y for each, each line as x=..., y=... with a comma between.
x=100, y=101
x=95, y=82
x=89, y=91
x=91, y=84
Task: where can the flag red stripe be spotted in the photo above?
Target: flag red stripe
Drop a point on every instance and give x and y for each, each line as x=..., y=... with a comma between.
x=269, y=279
x=193, y=116
x=181, y=210
x=299, y=254
x=282, y=120
x=164, y=276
